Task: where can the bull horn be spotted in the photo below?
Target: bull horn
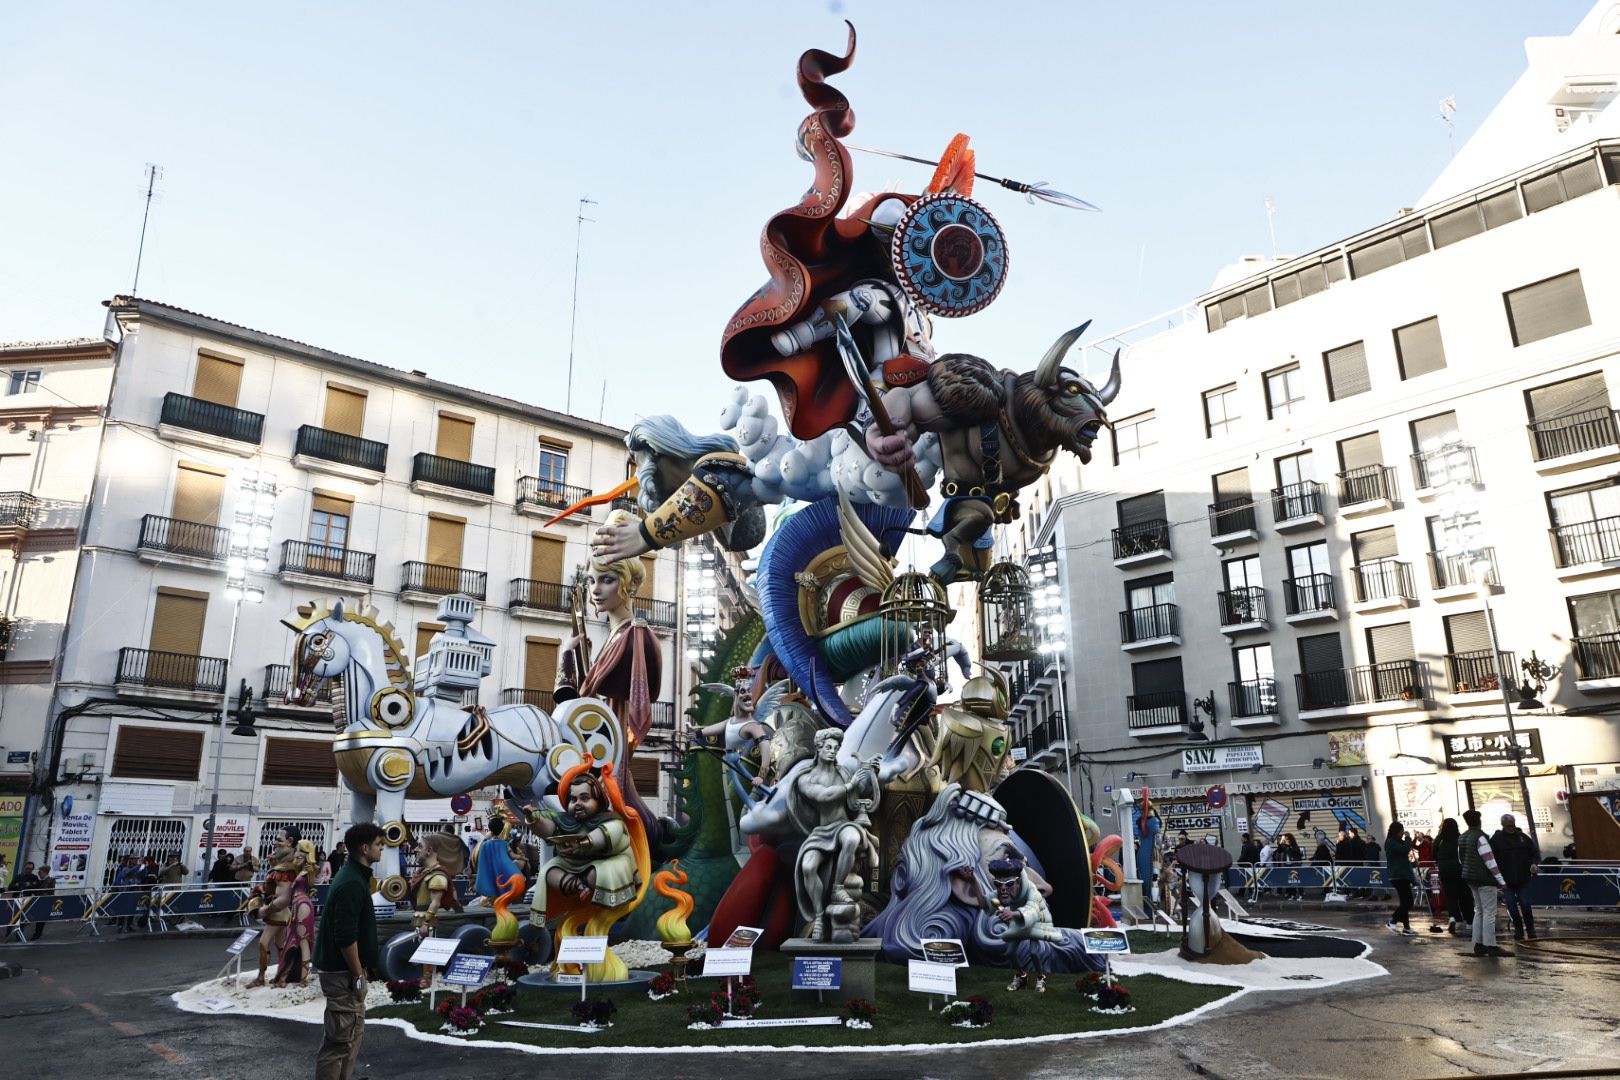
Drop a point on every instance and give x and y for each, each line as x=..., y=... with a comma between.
x=1110, y=389
x=1052, y=362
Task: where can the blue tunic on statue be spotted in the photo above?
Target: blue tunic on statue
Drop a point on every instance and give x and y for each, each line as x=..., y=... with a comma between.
x=495, y=867
x=1146, y=840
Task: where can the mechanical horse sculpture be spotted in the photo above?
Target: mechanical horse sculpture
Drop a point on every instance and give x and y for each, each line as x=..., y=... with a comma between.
x=394, y=744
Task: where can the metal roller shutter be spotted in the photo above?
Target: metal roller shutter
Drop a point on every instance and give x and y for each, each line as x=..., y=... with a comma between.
x=198, y=490
x=157, y=753
x=1320, y=652
x=218, y=380
x=299, y=763
x=1569, y=397
x=455, y=438
x=177, y=622
x=1361, y=451
x=1433, y=432
x=345, y=410
x=1374, y=544
x=1547, y=308
x=444, y=540
x=539, y=664
x=1419, y=349
x=1157, y=676
x=1386, y=644
x=1141, y=509
x=545, y=558
x=1232, y=485
x=1467, y=632
x=1347, y=371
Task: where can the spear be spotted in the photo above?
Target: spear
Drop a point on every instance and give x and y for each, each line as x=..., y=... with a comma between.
x=1030, y=192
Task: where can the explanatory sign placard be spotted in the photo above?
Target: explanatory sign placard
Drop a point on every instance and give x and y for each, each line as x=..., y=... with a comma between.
x=1106, y=941
x=817, y=972
x=468, y=969
x=926, y=978
x=243, y=940
x=944, y=951
x=582, y=950
x=435, y=950
x=726, y=961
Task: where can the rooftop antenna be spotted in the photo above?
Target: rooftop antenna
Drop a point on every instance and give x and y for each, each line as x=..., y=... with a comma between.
x=573, y=313
x=1448, y=109
x=153, y=172
x=1271, y=225
x=601, y=407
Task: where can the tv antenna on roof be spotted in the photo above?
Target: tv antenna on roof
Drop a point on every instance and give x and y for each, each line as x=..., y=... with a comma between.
x=573, y=313
x=153, y=172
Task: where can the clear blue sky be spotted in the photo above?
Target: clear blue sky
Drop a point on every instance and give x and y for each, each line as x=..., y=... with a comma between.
x=399, y=181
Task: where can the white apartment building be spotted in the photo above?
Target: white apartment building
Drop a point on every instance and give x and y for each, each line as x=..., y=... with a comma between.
x=393, y=489
x=1260, y=586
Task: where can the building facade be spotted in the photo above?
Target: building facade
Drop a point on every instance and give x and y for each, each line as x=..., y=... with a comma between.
x=1324, y=476
x=390, y=489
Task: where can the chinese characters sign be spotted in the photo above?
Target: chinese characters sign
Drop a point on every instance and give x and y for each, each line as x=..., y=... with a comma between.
x=1491, y=748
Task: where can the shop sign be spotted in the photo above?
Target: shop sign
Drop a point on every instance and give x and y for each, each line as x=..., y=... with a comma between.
x=13, y=812
x=1347, y=748
x=1221, y=758
x=70, y=850
x=1491, y=748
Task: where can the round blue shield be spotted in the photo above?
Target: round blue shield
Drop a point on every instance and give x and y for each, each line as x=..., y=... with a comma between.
x=949, y=254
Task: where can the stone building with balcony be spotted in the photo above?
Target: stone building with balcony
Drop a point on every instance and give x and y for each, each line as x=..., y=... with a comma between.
x=392, y=490
x=1259, y=580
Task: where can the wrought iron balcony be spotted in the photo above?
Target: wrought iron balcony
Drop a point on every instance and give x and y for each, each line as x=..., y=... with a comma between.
x=1144, y=538
x=221, y=421
x=1472, y=672
x=1597, y=656
x=656, y=612
x=548, y=494
x=1397, y=680
x=663, y=716
x=324, y=560
x=1148, y=623
x=437, y=580
x=1163, y=708
x=540, y=699
x=1383, y=579
x=538, y=595
x=1368, y=484
x=341, y=449
x=1230, y=516
x=1304, y=595
x=1591, y=429
x=625, y=502
x=17, y=509
x=1586, y=542
x=1253, y=697
x=189, y=538
x=1293, y=501
x=1453, y=464
x=449, y=472
x=1451, y=571
x=1246, y=605
x=171, y=671
x=278, y=682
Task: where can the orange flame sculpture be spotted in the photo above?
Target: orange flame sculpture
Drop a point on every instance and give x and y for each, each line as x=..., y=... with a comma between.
x=672, y=923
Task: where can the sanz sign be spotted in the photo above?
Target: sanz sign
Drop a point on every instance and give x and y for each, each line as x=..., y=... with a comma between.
x=1221, y=758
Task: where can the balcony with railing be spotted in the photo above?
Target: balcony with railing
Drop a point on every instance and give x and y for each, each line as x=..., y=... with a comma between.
x=1160, y=713
x=544, y=496
x=1149, y=627
x=626, y=503
x=658, y=613
x=529, y=595
x=1367, y=490
x=328, y=563
x=433, y=579
x=1253, y=701
x=165, y=539
x=1586, y=546
x=1298, y=506
x=143, y=670
x=278, y=683
x=334, y=451
x=1455, y=463
x=184, y=417
x=1048, y=741
x=1243, y=610
x=1383, y=584
x=1232, y=521
x=1394, y=684
x=663, y=717
x=1472, y=672
x=1566, y=442
x=540, y=699
x=1454, y=576
x=18, y=509
x=452, y=478
x=1597, y=661
x=1309, y=598
x=1146, y=541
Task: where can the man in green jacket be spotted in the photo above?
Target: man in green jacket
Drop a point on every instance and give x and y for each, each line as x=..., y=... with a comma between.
x=1484, y=879
x=345, y=950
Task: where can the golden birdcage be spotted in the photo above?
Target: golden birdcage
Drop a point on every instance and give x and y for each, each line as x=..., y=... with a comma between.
x=1007, y=614
x=915, y=612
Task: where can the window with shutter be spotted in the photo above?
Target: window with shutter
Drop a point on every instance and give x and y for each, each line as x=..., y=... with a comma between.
x=1387, y=644
x=1501, y=208
x=444, y=540
x=345, y=410
x=157, y=753
x=1232, y=486
x=1361, y=451
x=1455, y=225
x=299, y=763
x=1320, y=652
x=329, y=518
x=1467, y=632
x=455, y=437
x=198, y=490
x=178, y=616
x=219, y=379
x=1141, y=509
x=1157, y=677
x=539, y=664
x=1347, y=371
x=1547, y=308
x=1418, y=348
x=649, y=577
x=1596, y=614
x=546, y=557
x=424, y=636
x=644, y=770
x=1374, y=544
x=1569, y=397
x=1433, y=432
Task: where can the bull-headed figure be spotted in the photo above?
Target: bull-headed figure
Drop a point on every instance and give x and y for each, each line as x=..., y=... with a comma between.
x=392, y=745
x=999, y=430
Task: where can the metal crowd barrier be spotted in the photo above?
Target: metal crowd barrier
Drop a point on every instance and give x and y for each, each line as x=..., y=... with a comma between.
x=1563, y=885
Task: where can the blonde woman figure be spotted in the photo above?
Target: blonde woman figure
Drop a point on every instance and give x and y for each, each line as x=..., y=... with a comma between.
x=627, y=672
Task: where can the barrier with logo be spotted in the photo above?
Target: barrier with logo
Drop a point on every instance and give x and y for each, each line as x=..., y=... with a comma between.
x=1584, y=885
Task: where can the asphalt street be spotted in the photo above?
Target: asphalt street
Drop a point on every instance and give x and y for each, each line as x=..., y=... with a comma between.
x=86, y=1009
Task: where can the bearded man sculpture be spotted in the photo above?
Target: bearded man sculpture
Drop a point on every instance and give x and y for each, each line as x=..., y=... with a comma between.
x=830, y=804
